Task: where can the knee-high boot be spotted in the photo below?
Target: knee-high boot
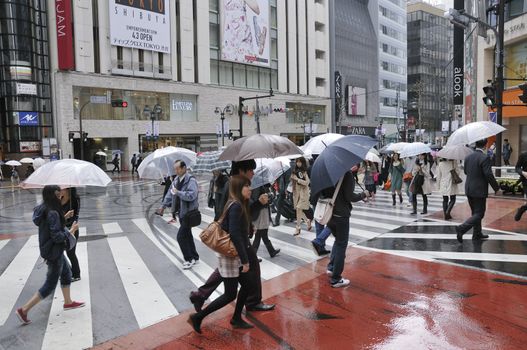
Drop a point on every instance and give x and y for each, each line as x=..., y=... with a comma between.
x=450, y=207
x=414, y=204
x=393, y=199
x=400, y=198
x=445, y=207
x=425, y=204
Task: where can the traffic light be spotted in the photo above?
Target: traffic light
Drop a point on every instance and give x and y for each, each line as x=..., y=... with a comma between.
x=523, y=96
x=85, y=137
x=70, y=136
x=119, y=103
x=490, y=96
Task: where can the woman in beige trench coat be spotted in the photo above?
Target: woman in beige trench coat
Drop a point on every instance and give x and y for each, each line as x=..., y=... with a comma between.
x=301, y=193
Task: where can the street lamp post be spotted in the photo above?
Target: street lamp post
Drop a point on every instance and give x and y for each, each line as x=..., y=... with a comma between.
x=415, y=105
x=228, y=109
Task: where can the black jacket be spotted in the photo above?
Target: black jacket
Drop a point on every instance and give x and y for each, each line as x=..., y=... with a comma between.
x=345, y=196
x=521, y=165
x=256, y=209
x=238, y=228
x=479, y=175
x=75, y=205
x=52, y=236
x=254, y=205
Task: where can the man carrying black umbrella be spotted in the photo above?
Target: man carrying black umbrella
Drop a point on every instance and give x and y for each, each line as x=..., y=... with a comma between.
x=340, y=225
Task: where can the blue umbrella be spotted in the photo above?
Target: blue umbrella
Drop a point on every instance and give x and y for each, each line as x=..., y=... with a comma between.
x=338, y=158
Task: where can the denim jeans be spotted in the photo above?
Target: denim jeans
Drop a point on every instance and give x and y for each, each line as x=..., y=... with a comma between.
x=186, y=243
x=340, y=226
x=56, y=268
x=323, y=233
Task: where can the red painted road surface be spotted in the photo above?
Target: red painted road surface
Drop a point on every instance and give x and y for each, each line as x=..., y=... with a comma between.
x=392, y=303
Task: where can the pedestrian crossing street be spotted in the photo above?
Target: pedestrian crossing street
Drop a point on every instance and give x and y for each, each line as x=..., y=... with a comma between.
x=132, y=274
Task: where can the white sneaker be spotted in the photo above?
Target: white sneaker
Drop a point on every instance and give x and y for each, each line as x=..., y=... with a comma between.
x=342, y=283
x=194, y=262
x=187, y=265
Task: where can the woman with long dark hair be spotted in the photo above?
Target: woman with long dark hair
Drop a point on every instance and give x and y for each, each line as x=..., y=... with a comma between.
x=236, y=221
x=71, y=205
x=53, y=238
x=421, y=182
x=301, y=193
x=396, y=176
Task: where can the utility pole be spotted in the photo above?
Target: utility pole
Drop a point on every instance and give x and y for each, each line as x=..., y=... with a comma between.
x=257, y=117
x=499, y=76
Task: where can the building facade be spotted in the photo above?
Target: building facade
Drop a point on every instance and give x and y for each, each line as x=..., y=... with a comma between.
x=430, y=52
x=174, y=62
x=392, y=64
x=25, y=84
x=355, y=58
x=515, y=59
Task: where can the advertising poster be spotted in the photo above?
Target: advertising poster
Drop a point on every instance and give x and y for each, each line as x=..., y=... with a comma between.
x=515, y=58
x=140, y=24
x=244, y=31
x=356, y=101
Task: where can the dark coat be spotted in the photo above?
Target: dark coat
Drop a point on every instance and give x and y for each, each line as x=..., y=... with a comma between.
x=521, y=165
x=52, y=236
x=238, y=228
x=345, y=196
x=479, y=175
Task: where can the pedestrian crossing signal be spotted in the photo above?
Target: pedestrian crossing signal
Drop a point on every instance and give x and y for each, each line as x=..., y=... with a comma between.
x=119, y=103
x=490, y=96
x=70, y=136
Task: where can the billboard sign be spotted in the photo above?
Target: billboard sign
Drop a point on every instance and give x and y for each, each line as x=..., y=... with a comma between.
x=140, y=24
x=64, y=34
x=29, y=146
x=244, y=32
x=356, y=101
x=28, y=118
x=459, y=68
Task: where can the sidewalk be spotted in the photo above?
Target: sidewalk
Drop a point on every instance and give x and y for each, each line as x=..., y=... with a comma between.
x=392, y=303
x=499, y=215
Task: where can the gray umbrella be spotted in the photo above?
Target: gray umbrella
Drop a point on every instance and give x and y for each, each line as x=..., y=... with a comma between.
x=260, y=146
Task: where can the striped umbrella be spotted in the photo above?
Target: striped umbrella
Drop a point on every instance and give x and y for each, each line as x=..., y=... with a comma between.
x=207, y=162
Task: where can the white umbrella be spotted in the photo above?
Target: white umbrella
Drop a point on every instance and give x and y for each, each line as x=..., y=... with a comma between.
x=372, y=157
x=101, y=153
x=414, y=149
x=396, y=147
x=374, y=151
x=260, y=146
x=38, y=162
x=163, y=160
x=457, y=152
x=319, y=143
x=267, y=171
x=67, y=173
x=13, y=163
x=473, y=132
x=26, y=160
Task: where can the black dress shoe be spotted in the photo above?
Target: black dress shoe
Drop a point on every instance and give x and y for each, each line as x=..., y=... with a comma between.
x=259, y=259
x=519, y=213
x=197, y=302
x=275, y=253
x=195, y=322
x=459, y=234
x=317, y=249
x=325, y=252
x=480, y=236
x=424, y=212
x=261, y=307
x=240, y=323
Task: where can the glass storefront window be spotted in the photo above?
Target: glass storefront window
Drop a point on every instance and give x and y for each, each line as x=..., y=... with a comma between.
x=302, y=112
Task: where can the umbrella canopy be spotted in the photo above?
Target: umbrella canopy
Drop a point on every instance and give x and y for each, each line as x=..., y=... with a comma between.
x=372, y=157
x=161, y=162
x=101, y=153
x=414, y=149
x=260, y=146
x=13, y=163
x=337, y=159
x=26, y=160
x=396, y=147
x=473, y=132
x=267, y=171
x=38, y=162
x=319, y=143
x=457, y=152
x=375, y=151
x=384, y=150
x=67, y=173
x=208, y=162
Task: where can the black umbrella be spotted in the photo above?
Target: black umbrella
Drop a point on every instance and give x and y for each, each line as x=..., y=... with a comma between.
x=338, y=158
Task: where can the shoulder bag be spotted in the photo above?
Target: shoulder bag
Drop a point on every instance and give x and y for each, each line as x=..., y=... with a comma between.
x=324, y=207
x=455, y=177
x=218, y=239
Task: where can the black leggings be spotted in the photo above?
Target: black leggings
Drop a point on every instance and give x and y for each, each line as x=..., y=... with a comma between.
x=231, y=287
x=75, y=269
x=262, y=235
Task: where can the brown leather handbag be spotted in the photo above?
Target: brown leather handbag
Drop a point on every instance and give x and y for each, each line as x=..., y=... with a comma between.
x=218, y=239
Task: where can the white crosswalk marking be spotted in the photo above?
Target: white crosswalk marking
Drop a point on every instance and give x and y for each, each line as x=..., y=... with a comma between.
x=3, y=243
x=111, y=228
x=15, y=276
x=63, y=331
x=147, y=299
x=451, y=236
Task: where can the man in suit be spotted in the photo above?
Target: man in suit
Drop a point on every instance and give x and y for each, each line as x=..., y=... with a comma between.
x=479, y=176
x=521, y=169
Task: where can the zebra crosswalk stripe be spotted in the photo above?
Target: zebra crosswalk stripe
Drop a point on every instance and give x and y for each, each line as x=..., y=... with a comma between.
x=111, y=228
x=15, y=276
x=147, y=299
x=3, y=243
x=64, y=327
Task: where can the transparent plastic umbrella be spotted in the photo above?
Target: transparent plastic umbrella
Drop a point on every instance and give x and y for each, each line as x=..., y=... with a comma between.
x=38, y=162
x=13, y=163
x=319, y=143
x=26, y=160
x=260, y=146
x=473, y=132
x=163, y=160
x=456, y=152
x=414, y=149
x=372, y=157
x=267, y=171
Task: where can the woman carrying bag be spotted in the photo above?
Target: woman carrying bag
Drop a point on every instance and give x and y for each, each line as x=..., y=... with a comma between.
x=53, y=239
x=421, y=182
x=261, y=220
x=301, y=193
x=236, y=221
x=396, y=176
x=71, y=204
x=448, y=184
